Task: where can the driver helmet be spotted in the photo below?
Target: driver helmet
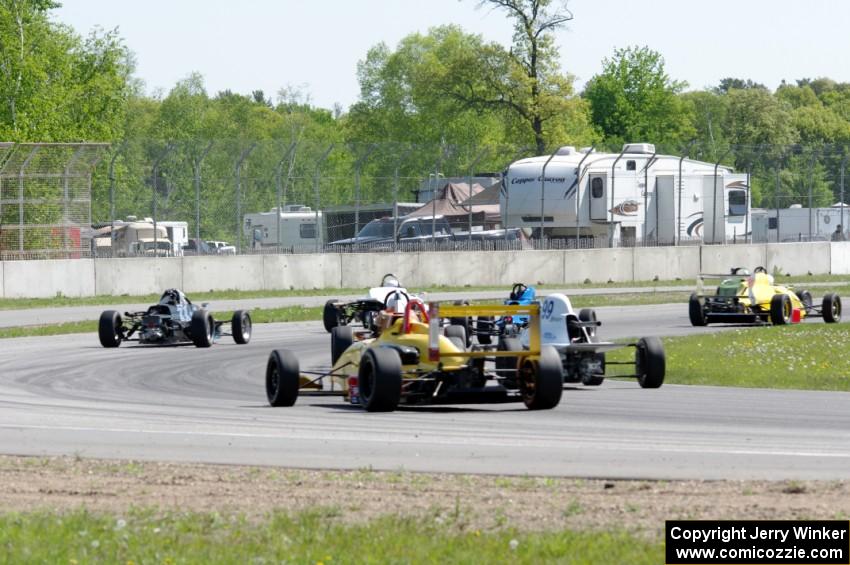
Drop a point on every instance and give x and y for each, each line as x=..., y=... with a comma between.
x=390, y=280
x=171, y=297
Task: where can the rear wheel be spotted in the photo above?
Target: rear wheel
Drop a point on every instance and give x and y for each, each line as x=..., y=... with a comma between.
x=380, y=380
x=201, y=328
x=541, y=380
x=465, y=322
x=780, y=309
x=330, y=315
x=588, y=315
x=695, y=311
x=282, y=376
x=504, y=364
x=484, y=329
x=650, y=362
x=806, y=299
x=109, y=329
x=341, y=339
x=831, y=308
x=457, y=335
x=241, y=326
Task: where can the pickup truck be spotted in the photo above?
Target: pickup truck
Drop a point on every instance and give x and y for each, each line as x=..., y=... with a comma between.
x=417, y=231
x=222, y=248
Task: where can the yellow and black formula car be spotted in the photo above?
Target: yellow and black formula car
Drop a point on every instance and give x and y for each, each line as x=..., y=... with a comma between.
x=744, y=298
x=412, y=359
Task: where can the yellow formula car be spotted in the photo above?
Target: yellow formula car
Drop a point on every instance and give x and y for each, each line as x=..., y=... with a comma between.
x=412, y=359
x=744, y=298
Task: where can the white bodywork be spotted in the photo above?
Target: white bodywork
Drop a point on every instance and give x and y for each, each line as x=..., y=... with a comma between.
x=553, y=321
x=381, y=292
x=639, y=195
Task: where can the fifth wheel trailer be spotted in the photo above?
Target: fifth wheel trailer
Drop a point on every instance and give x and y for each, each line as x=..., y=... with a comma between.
x=635, y=195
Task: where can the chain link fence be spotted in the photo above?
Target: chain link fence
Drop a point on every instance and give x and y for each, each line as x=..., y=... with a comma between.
x=183, y=197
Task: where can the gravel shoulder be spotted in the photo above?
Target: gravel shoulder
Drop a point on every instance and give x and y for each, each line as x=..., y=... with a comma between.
x=482, y=502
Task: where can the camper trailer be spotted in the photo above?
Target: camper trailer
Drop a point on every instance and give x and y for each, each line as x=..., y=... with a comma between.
x=296, y=228
x=635, y=195
x=141, y=239
x=796, y=223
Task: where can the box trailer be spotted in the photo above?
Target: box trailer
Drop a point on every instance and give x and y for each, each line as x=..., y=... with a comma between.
x=295, y=228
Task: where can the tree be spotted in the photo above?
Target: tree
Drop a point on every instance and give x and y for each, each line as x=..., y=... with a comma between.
x=527, y=81
x=728, y=84
x=54, y=85
x=634, y=99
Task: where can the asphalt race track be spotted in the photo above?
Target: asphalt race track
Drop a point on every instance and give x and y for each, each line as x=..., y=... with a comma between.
x=67, y=395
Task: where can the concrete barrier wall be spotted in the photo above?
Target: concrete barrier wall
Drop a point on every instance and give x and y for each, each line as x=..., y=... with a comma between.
x=721, y=258
x=85, y=277
x=598, y=265
x=45, y=279
x=234, y=272
x=114, y=277
x=666, y=263
x=798, y=259
x=285, y=272
x=839, y=258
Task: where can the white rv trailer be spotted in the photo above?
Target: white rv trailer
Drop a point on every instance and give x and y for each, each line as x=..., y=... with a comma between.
x=800, y=224
x=301, y=229
x=625, y=197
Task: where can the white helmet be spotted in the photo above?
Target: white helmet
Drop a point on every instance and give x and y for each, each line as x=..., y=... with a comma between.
x=390, y=280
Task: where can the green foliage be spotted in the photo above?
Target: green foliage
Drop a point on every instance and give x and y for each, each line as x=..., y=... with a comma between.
x=634, y=99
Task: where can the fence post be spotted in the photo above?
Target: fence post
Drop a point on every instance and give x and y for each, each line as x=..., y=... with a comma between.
x=112, y=198
x=685, y=154
x=154, y=178
x=646, y=167
x=281, y=195
x=395, y=195
x=714, y=202
x=811, y=188
x=841, y=198
x=543, y=195
x=469, y=186
x=504, y=189
x=316, y=189
x=196, y=166
x=611, y=210
x=357, y=166
x=238, y=169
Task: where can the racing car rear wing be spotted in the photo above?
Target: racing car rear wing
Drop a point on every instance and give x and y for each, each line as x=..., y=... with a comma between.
x=437, y=310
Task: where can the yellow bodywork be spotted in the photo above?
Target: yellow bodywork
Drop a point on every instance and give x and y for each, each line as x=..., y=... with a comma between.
x=451, y=358
x=756, y=294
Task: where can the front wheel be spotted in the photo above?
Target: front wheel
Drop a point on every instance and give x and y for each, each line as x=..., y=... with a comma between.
x=341, y=339
x=240, y=323
x=484, y=329
x=831, y=308
x=588, y=315
x=780, y=310
x=330, y=315
x=806, y=300
x=282, y=376
x=650, y=362
x=541, y=381
x=379, y=378
x=109, y=329
x=201, y=328
x=695, y=311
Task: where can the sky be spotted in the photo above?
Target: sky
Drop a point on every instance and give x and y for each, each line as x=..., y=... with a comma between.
x=316, y=45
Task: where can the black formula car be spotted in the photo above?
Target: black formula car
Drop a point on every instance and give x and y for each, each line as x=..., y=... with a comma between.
x=173, y=320
x=361, y=312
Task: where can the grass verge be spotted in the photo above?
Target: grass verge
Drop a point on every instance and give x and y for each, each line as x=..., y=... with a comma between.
x=811, y=356
x=142, y=536
x=199, y=297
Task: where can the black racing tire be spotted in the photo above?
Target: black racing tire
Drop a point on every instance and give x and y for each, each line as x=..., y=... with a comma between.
x=595, y=380
x=507, y=363
x=341, y=339
x=465, y=322
x=484, y=327
x=831, y=308
x=330, y=315
x=457, y=335
x=201, y=328
x=780, y=310
x=650, y=362
x=588, y=315
x=379, y=379
x=282, y=378
x=696, y=312
x=806, y=299
x=541, y=381
x=240, y=326
x=109, y=329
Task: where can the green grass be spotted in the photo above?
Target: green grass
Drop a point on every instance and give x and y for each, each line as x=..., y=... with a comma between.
x=313, y=538
x=811, y=356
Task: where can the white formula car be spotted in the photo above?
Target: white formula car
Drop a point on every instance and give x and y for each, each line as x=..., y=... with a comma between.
x=582, y=354
x=361, y=312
